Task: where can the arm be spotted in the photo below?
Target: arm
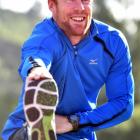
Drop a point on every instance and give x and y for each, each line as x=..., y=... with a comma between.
x=34, y=56
x=119, y=91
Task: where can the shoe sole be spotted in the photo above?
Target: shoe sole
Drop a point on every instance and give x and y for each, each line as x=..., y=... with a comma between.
x=40, y=101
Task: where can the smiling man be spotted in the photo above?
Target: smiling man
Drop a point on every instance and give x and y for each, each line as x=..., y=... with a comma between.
x=73, y=17
x=78, y=55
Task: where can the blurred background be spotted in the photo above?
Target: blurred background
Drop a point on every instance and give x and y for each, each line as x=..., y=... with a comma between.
x=17, y=18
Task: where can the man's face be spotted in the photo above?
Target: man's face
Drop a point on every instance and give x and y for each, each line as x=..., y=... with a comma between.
x=72, y=16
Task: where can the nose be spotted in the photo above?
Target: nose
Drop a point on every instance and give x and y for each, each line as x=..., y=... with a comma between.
x=79, y=5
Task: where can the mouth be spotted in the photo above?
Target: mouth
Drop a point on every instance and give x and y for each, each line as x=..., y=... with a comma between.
x=78, y=19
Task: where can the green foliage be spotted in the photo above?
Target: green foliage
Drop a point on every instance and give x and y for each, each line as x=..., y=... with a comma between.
x=128, y=130
x=6, y=31
x=7, y=104
x=15, y=27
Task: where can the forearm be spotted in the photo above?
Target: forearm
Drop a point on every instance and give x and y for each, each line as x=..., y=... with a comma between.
x=29, y=64
x=107, y=115
x=62, y=124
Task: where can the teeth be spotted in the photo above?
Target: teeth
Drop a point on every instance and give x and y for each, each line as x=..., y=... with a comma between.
x=78, y=18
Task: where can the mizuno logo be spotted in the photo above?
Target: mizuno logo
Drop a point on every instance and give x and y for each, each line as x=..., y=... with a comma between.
x=93, y=62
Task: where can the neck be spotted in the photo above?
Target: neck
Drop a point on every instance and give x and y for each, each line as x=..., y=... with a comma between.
x=75, y=39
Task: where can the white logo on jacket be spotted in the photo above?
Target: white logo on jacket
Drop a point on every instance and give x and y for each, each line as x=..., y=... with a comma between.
x=93, y=62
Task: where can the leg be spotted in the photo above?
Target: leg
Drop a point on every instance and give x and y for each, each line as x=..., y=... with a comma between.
x=20, y=134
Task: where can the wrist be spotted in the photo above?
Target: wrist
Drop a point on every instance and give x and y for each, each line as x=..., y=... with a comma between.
x=33, y=63
x=74, y=120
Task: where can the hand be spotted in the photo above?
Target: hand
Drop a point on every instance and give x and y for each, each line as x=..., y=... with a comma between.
x=62, y=124
x=39, y=73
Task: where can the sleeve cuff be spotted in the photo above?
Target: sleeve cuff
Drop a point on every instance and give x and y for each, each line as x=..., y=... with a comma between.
x=28, y=64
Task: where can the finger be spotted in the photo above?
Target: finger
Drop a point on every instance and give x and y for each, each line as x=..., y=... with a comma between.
x=34, y=76
x=37, y=76
x=43, y=76
x=47, y=75
x=30, y=76
x=39, y=73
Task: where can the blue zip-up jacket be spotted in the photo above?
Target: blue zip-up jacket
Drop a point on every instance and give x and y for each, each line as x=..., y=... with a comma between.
x=80, y=71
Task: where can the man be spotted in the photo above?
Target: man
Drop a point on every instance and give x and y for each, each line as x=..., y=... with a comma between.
x=81, y=55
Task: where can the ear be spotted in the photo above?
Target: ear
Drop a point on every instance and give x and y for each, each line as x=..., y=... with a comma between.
x=51, y=5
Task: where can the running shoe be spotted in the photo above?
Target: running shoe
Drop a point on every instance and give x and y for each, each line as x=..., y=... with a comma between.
x=40, y=101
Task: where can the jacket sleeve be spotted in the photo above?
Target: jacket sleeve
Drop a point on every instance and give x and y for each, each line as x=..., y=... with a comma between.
x=34, y=54
x=119, y=92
